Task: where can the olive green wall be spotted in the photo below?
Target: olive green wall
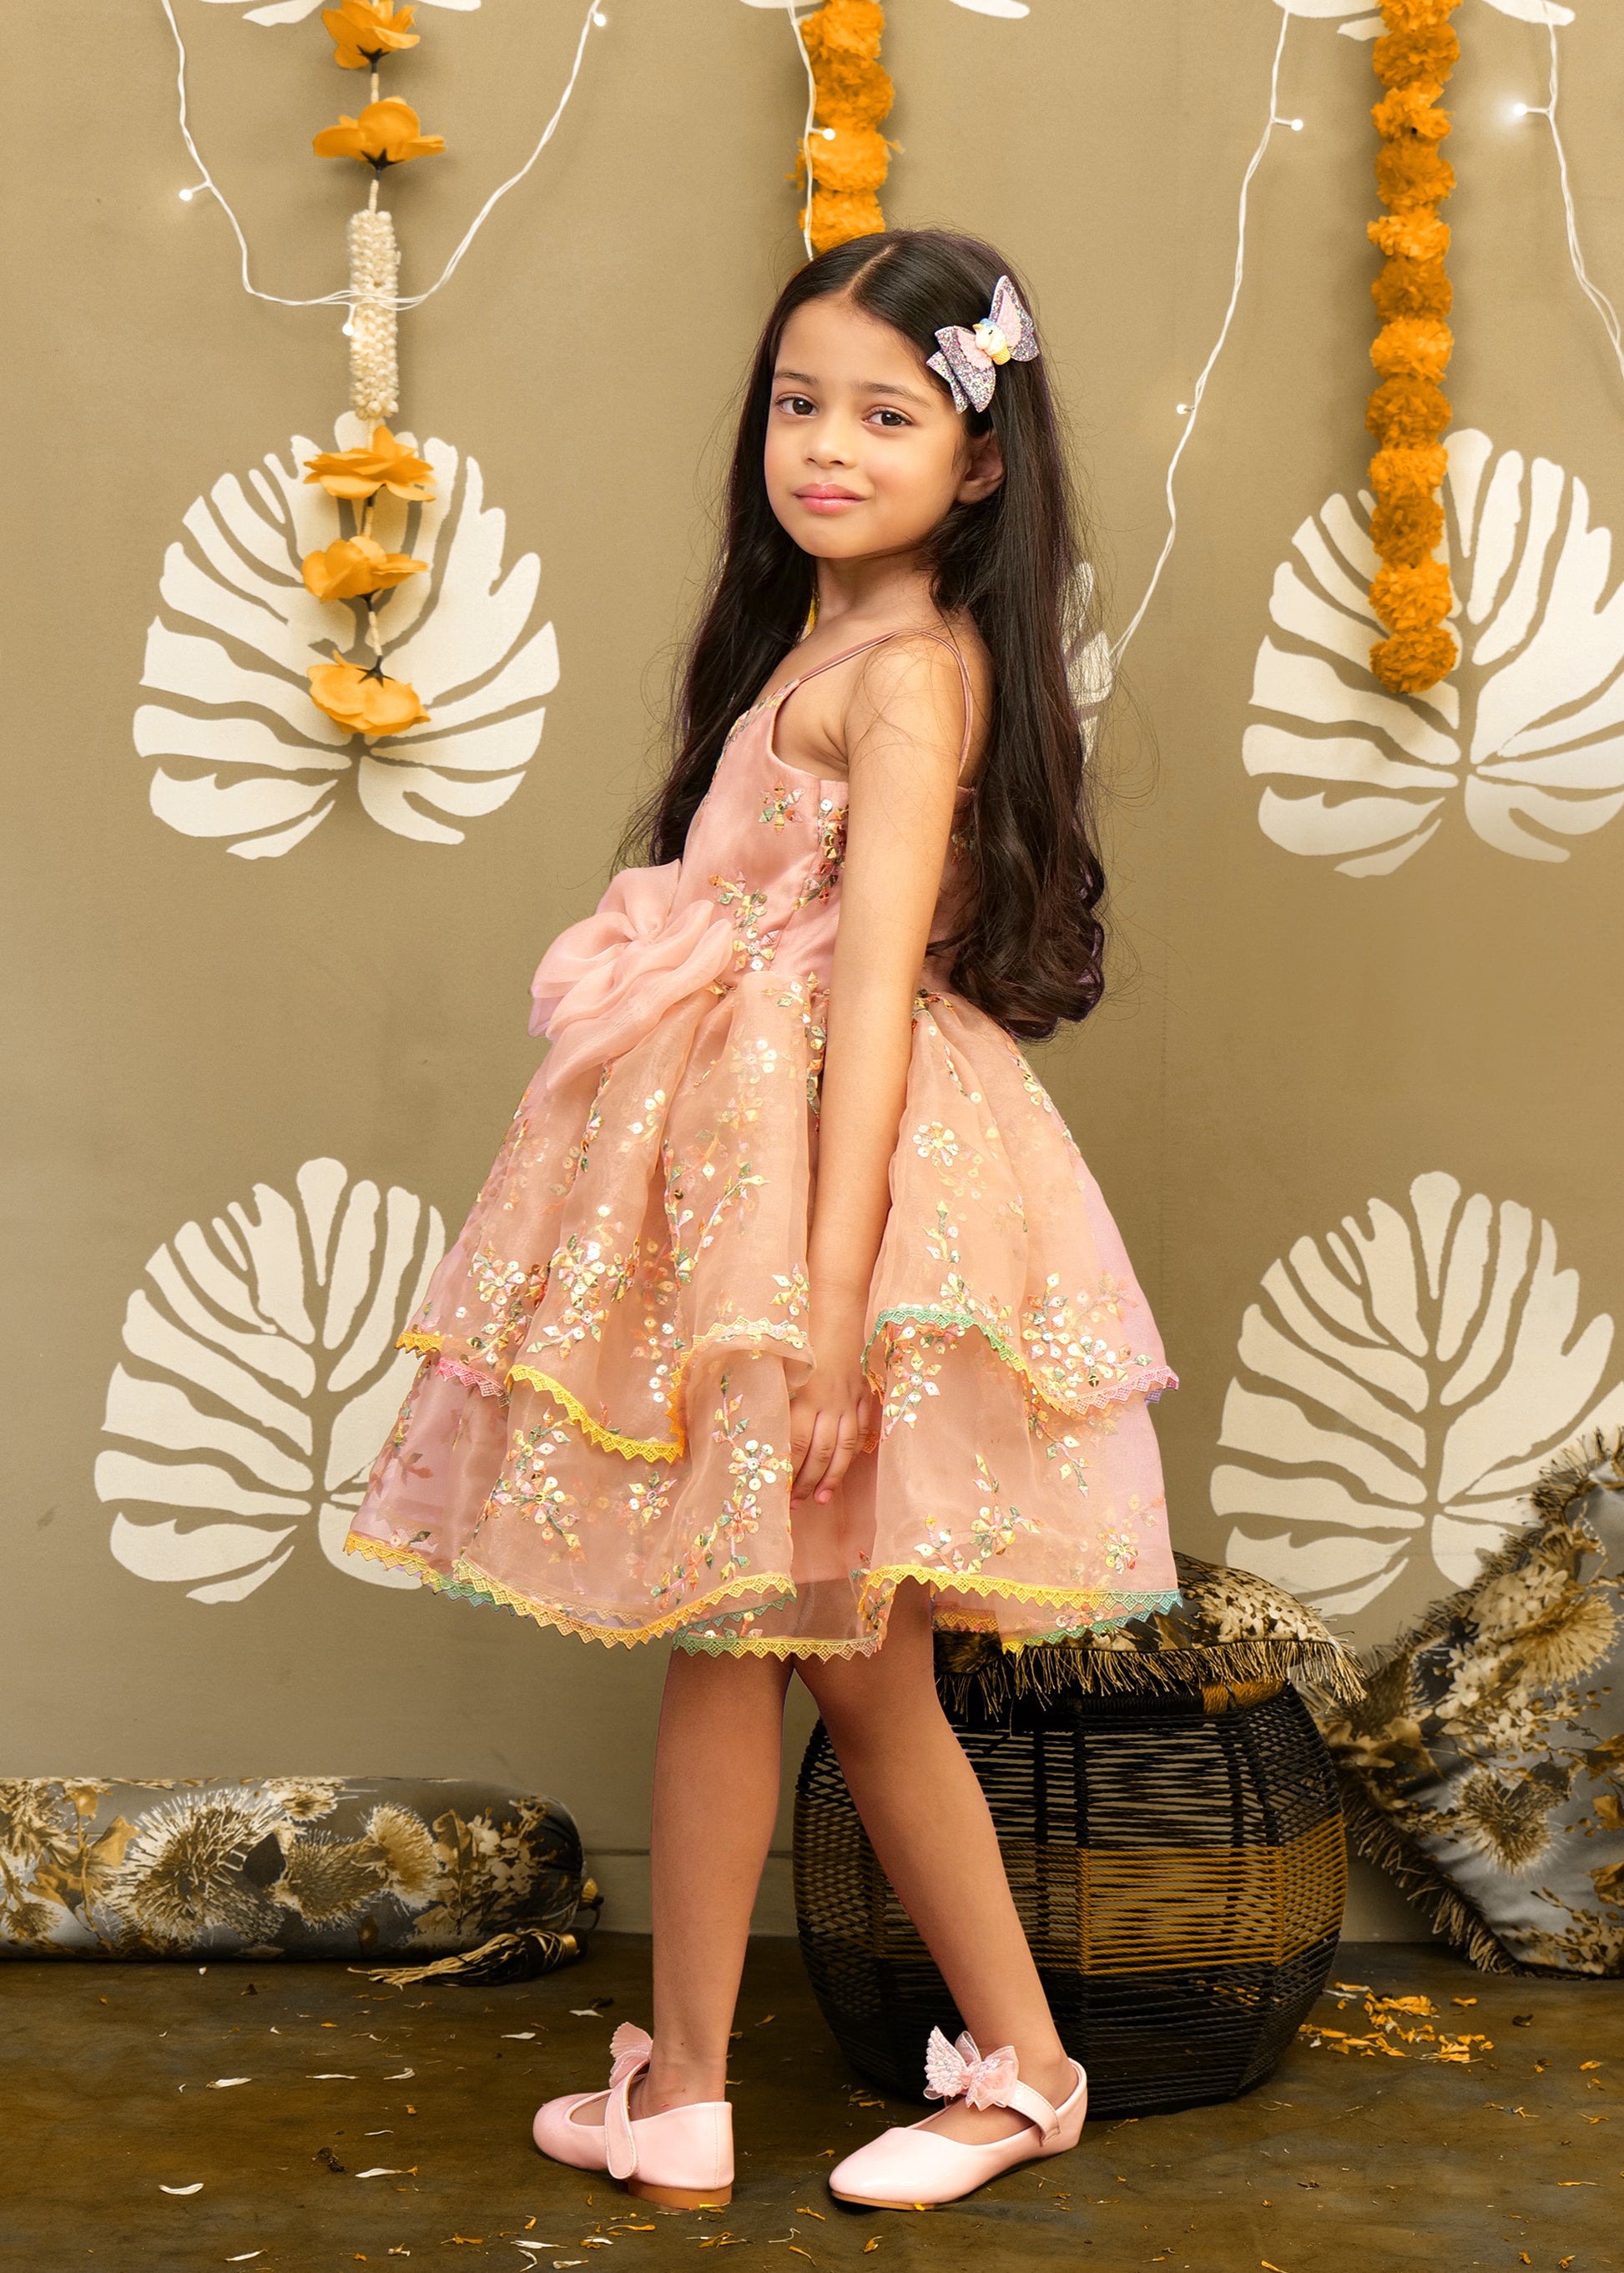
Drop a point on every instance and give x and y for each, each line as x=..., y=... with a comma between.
x=1290, y=1043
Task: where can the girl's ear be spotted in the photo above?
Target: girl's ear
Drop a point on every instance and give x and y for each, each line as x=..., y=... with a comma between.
x=984, y=470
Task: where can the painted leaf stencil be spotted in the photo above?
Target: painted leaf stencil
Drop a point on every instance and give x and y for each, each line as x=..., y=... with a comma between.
x=294, y=11
x=250, y=758
x=1363, y=23
x=1525, y=738
x=1400, y=1388
x=262, y=1379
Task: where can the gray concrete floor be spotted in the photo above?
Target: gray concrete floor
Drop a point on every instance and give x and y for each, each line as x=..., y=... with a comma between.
x=112, y=2090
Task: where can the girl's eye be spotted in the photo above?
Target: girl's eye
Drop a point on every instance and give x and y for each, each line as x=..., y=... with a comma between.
x=797, y=405
x=892, y=418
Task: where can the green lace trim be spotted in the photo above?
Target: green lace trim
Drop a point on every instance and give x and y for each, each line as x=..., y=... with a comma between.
x=1149, y=1381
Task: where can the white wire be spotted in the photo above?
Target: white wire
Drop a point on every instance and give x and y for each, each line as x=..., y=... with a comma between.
x=806, y=132
x=1593, y=293
x=341, y=298
x=1275, y=120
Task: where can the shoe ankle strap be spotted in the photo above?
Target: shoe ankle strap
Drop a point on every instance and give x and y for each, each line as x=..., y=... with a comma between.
x=620, y=2143
x=1035, y=2107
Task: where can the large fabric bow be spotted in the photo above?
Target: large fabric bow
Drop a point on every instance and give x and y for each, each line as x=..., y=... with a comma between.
x=606, y=982
x=960, y=2072
x=969, y=360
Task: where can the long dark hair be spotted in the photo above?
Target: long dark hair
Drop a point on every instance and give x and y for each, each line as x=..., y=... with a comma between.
x=1029, y=950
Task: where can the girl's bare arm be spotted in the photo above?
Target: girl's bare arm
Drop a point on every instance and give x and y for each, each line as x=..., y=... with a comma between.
x=903, y=728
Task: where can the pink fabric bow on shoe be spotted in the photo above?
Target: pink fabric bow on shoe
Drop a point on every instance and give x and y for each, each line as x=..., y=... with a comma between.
x=682, y=2159
x=607, y=981
x=961, y=2072
x=912, y=2166
x=629, y=2048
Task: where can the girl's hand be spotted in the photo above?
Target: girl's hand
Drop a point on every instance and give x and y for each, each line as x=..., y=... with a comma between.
x=833, y=1415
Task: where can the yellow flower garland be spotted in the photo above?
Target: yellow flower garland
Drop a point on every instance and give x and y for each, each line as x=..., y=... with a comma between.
x=846, y=154
x=1409, y=410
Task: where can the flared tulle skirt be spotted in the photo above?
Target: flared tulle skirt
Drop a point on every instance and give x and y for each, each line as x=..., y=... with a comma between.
x=599, y=1434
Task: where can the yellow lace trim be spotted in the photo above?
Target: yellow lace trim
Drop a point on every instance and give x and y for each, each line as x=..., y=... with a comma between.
x=751, y=1332
x=890, y=1575
x=397, y=1558
x=884, y=1582
x=554, y=1614
x=466, y=1579
x=629, y=1448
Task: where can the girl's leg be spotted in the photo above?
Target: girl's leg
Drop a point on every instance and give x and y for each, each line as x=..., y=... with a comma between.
x=716, y=1800
x=929, y=1824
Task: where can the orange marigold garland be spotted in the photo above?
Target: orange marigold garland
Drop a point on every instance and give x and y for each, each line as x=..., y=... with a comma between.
x=386, y=132
x=1409, y=410
x=846, y=155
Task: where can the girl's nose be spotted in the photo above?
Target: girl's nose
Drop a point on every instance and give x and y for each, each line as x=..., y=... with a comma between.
x=829, y=448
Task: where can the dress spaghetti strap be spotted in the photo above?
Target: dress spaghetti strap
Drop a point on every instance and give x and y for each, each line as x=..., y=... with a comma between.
x=941, y=639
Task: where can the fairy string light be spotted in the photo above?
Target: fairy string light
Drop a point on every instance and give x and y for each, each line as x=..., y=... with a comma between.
x=1190, y=411
x=594, y=20
x=1591, y=290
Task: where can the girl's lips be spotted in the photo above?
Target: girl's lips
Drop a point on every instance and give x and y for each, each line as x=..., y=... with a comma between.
x=826, y=500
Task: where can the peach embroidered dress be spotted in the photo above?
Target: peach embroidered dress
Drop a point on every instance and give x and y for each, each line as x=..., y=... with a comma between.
x=599, y=1434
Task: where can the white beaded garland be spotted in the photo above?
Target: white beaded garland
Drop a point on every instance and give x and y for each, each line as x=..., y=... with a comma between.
x=374, y=274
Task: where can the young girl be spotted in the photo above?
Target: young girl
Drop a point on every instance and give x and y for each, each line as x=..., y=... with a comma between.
x=789, y=1323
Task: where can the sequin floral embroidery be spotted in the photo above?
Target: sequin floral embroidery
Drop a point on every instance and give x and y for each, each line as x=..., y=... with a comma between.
x=821, y=878
x=780, y=807
x=510, y=1290
x=530, y=1488
x=993, y=1527
x=591, y=1277
x=754, y=1467
x=753, y=949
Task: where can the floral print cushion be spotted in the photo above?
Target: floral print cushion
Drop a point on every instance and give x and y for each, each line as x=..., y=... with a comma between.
x=1483, y=1770
x=1230, y=1637
x=277, y=1866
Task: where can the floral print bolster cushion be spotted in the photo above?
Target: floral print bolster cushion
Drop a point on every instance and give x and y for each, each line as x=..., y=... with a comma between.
x=1485, y=1767
x=277, y=1866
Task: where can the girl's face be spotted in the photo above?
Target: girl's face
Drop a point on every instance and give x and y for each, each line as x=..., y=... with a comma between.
x=865, y=452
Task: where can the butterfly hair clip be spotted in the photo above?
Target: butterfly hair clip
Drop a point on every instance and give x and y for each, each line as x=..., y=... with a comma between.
x=969, y=360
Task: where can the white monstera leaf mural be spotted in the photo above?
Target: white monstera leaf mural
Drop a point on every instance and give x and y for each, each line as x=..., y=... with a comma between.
x=244, y=754
x=1400, y=1388
x=294, y=11
x=1007, y=8
x=262, y=1380
x=1524, y=740
x=1363, y=23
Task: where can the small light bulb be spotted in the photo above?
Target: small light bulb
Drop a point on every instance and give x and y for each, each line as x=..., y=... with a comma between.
x=1183, y=409
x=186, y=196
x=1297, y=125
x=347, y=328
x=599, y=18
x=828, y=133
x=1519, y=111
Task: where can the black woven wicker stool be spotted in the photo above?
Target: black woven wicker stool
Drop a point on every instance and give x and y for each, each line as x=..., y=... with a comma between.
x=1178, y=1864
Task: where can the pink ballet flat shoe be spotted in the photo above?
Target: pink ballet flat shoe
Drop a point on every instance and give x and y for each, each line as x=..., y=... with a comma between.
x=913, y=2167
x=682, y=2159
